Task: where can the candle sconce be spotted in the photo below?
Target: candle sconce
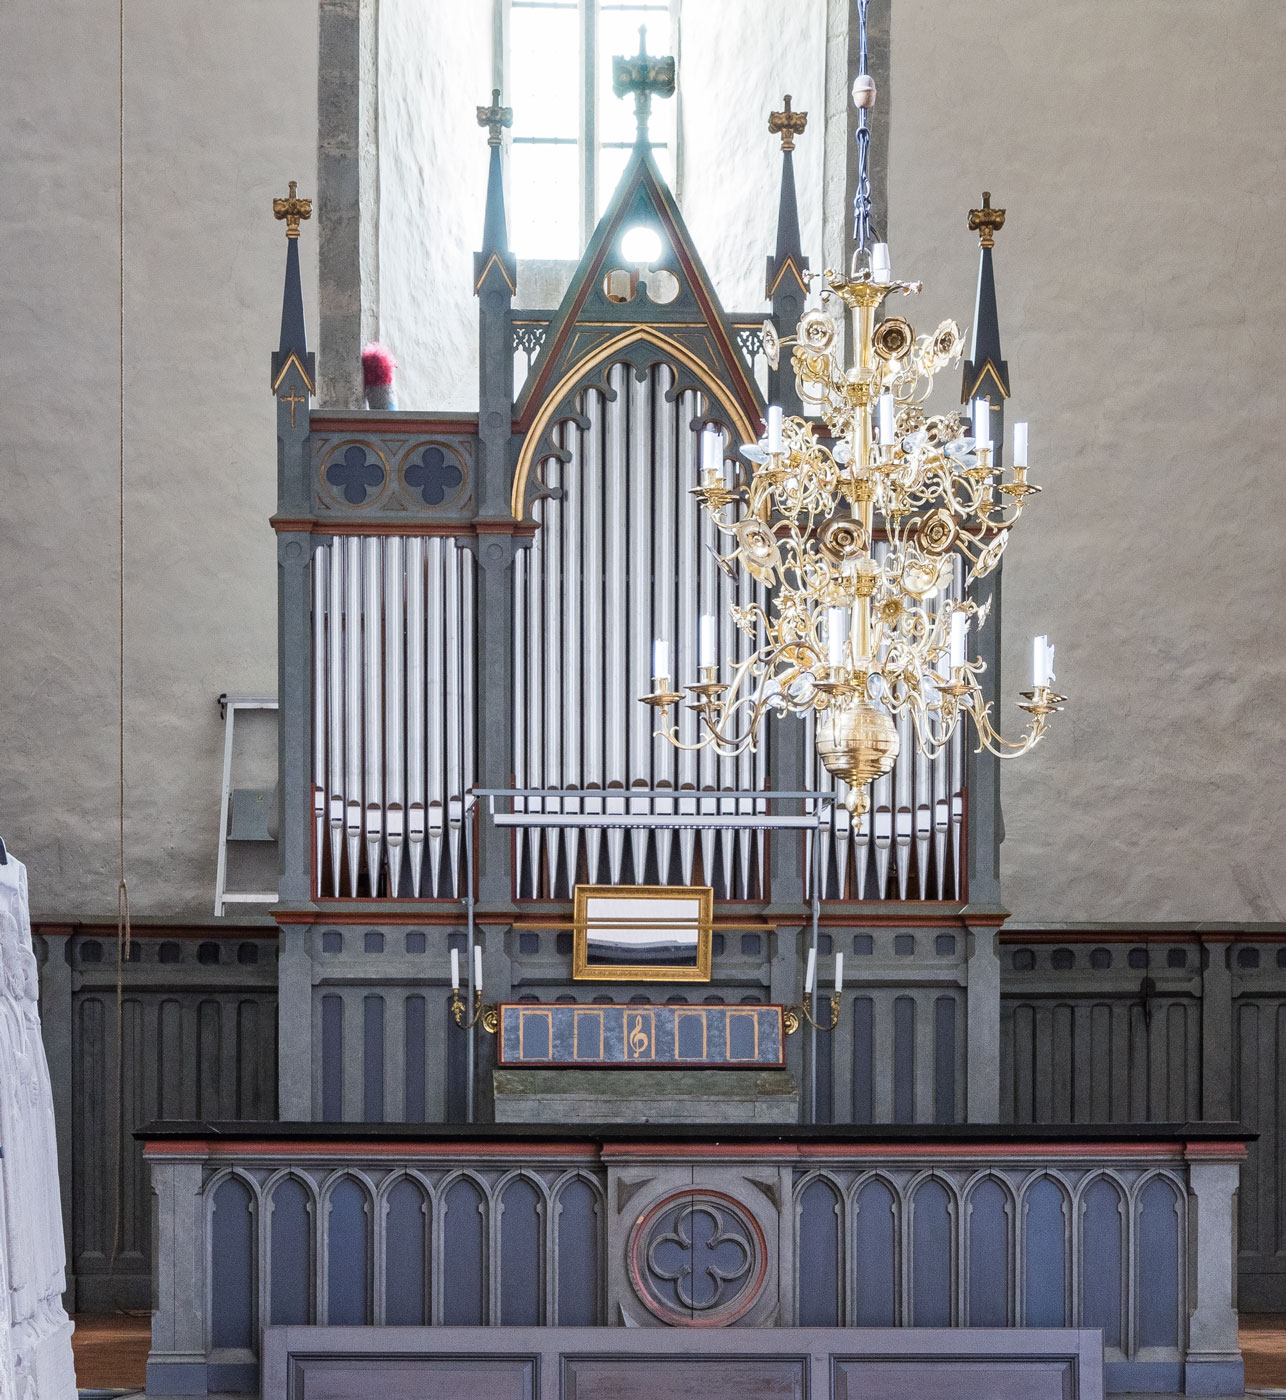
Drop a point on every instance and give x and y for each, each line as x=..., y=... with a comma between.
x=488, y=1015
x=793, y=1017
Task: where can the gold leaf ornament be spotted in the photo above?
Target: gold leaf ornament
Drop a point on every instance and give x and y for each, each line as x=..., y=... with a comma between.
x=758, y=549
x=816, y=330
x=771, y=342
x=841, y=540
x=937, y=532
x=893, y=338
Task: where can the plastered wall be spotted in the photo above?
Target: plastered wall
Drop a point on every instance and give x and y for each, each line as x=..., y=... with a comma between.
x=220, y=113
x=1138, y=146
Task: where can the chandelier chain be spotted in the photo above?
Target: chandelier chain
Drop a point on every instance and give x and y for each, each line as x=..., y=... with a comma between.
x=863, y=234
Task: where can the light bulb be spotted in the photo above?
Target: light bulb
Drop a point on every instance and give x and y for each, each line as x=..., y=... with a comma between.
x=641, y=245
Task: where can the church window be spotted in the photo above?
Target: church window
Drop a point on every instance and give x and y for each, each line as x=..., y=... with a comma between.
x=571, y=134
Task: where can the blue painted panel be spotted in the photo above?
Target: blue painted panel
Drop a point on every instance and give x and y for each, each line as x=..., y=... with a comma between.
x=457, y=1071
x=931, y=1255
x=1101, y=1250
x=876, y=1255
x=405, y=1253
x=944, y=1060
x=818, y=1257
x=373, y=1059
x=413, y=1060
x=332, y=1058
x=1158, y=1284
x=863, y=1059
x=462, y=1302
x=657, y=1036
x=1046, y=1255
x=989, y=1269
x=232, y=1267
x=579, y=1250
x=903, y=1060
x=522, y=1265
x=290, y=1259
x=348, y=1252
x=825, y=1105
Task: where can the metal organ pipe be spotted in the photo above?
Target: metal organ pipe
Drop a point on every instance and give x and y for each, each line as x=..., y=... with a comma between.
x=573, y=646
x=615, y=449
x=333, y=553
x=664, y=579
x=353, y=708
x=691, y=609
x=394, y=710
x=372, y=580
x=592, y=659
x=435, y=605
x=415, y=710
x=637, y=602
x=454, y=669
x=556, y=697
x=320, y=573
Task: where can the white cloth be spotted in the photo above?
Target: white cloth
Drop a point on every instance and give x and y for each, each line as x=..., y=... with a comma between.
x=35, y=1338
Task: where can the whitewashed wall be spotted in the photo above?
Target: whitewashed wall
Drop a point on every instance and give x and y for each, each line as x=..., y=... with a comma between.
x=1138, y=148
x=1139, y=151
x=221, y=112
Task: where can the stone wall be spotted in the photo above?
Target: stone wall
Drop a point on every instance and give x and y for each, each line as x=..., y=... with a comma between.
x=1137, y=149
x=220, y=113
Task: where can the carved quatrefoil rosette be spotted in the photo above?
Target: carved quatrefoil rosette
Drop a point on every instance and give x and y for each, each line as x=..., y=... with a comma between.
x=697, y=1259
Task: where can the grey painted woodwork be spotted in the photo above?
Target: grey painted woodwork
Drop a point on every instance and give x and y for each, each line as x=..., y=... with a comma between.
x=1188, y=1025
x=762, y=1364
x=197, y=1035
x=1128, y=1235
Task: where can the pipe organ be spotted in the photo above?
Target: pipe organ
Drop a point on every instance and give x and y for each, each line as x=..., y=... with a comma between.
x=908, y=846
x=394, y=690
x=623, y=555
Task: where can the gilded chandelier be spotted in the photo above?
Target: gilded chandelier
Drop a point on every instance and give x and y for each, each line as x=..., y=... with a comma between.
x=855, y=532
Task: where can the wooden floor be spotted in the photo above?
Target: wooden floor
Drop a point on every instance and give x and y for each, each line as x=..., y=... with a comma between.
x=111, y=1351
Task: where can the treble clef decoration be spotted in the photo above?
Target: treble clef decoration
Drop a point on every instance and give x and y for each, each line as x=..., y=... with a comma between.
x=638, y=1039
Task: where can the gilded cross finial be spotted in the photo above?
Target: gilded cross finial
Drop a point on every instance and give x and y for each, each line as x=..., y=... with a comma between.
x=495, y=118
x=643, y=75
x=789, y=124
x=986, y=221
x=292, y=209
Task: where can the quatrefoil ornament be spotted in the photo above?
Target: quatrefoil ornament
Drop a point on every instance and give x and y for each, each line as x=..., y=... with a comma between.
x=356, y=474
x=434, y=475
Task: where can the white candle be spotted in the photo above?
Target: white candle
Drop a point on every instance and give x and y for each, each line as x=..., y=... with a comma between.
x=660, y=659
x=455, y=969
x=711, y=452
x=959, y=631
x=982, y=422
x=836, y=635
x=477, y=967
x=810, y=971
x=1020, y=444
x=839, y=972
x=1042, y=662
x=881, y=268
x=886, y=419
x=706, y=654
x=775, y=443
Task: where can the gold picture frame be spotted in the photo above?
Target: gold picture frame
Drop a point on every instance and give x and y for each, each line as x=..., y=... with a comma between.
x=609, y=915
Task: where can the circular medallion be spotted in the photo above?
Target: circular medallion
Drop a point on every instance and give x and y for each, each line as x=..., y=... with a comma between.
x=697, y=1259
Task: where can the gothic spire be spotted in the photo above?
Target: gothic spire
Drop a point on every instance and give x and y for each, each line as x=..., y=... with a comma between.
x=789, y=255
x=986, y=374
x=495, y=227
x=294, y=334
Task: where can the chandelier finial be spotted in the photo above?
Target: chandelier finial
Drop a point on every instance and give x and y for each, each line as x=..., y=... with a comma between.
x=643, y=75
